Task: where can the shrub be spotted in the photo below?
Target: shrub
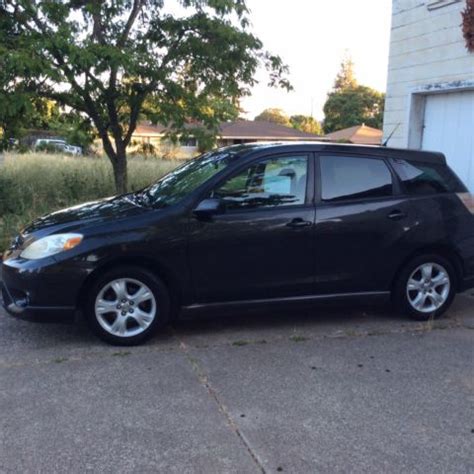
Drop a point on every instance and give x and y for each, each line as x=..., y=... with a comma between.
x=146, y=149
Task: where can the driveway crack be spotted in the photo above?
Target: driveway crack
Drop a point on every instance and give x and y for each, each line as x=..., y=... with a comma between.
x=204, y=381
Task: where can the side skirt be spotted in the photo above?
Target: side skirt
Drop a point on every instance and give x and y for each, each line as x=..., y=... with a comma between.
x=258, y=304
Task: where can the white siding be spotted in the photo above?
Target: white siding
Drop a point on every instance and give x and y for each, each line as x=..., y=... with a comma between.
x=427, y=50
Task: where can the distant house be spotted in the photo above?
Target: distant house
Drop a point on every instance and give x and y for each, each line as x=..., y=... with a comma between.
x=430, y=91
x=231, y=133
x=360, y=135
x=244, y=131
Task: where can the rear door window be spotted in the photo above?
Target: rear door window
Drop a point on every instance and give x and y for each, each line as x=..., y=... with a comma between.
x=427, y=178
x=354, y=177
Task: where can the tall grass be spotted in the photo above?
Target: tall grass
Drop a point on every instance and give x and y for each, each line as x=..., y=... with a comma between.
x=32, y=185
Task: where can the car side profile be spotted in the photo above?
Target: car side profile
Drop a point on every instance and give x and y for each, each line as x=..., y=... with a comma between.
x=58, y=144
x=247, y=226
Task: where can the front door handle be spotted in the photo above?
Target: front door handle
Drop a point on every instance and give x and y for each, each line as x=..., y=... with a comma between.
x=299, y=222
x=397, y=215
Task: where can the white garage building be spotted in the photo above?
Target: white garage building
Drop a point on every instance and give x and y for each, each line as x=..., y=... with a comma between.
x=430, y=91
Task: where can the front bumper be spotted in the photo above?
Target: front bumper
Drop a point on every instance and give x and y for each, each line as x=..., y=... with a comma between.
x=40, y=291
x=20, y=308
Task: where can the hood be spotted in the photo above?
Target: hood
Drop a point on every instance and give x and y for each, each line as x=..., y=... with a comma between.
x=117, y=207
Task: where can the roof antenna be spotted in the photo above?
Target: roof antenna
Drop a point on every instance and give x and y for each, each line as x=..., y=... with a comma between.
x=385, y=143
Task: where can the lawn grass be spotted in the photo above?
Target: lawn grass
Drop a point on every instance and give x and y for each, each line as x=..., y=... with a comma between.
x=32, y=185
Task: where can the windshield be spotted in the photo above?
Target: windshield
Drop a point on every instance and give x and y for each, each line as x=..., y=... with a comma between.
x=185, y=179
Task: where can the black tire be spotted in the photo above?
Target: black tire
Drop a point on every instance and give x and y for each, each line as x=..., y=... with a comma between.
x=154, y=284
x=400, y=296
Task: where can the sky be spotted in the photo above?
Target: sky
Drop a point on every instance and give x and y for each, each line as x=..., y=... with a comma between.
x=312, y=37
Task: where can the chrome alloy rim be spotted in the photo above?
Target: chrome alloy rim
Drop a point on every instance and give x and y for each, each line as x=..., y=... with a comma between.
x=125, y=307
x=428, y=287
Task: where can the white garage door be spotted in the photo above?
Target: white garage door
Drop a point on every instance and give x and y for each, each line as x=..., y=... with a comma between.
x=449, y=128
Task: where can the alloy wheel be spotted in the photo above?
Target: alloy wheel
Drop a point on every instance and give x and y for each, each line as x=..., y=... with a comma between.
x=125, y=307
x=428, y=287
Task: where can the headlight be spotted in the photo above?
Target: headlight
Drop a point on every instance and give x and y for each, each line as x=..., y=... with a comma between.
x=51, y=245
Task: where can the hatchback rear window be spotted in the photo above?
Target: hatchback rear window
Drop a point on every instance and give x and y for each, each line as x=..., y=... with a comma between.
x=427, y=178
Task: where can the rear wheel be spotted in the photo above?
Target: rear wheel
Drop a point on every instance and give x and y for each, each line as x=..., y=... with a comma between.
x=127, y=305
x=426, y=287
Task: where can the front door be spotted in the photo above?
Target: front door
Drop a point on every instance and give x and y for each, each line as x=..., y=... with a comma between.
x=262, y=246
x=361, y=225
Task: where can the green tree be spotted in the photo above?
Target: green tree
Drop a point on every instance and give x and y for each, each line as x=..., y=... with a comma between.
x=275, y=116
x=15, y=103
x=22, y=111
x=350, y=104
x=350, y=107
x=107, y=59
x=76, y=128
x=306, y=124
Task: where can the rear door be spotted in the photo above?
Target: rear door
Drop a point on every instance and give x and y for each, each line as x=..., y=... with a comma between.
x=361, y=224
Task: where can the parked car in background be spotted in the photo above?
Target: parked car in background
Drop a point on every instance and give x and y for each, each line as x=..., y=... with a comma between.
x=60, y=145
x=247, y=226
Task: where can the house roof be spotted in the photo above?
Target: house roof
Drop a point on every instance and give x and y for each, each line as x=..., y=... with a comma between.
x=240, y=130
x=252, y=130
x=360, y=134
x=148, y=129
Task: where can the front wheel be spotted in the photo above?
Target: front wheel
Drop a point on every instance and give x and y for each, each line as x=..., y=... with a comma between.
x=426, y=287
x=127, y=305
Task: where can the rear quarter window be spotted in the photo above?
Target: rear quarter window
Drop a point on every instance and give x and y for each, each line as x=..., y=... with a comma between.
x=427, y=178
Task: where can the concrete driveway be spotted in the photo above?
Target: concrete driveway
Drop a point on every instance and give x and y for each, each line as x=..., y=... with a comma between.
x=329, y=389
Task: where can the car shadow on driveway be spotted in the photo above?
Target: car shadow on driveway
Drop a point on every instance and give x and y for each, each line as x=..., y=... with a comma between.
x=317, y=320
x=236, y=327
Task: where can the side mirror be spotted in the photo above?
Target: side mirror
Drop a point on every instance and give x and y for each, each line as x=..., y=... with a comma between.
x=209, y=208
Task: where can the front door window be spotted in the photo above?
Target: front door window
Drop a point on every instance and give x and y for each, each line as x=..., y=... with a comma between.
x=273, y=182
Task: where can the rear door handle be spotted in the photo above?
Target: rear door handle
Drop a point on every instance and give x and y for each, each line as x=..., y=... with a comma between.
x=397, y=215
x=299, y=222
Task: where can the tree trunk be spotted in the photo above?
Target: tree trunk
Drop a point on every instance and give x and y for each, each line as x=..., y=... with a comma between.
x=118, y=157
x=119, y=165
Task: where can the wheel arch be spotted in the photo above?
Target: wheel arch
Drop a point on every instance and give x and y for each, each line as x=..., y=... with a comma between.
x=170, y=280
x=442, y=250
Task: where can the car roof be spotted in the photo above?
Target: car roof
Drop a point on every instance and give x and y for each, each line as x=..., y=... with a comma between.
x=60, y=140
x=322, y=147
